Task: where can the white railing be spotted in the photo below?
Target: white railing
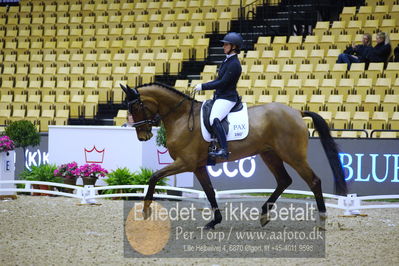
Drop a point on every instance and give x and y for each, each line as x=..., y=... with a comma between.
x=351, y=204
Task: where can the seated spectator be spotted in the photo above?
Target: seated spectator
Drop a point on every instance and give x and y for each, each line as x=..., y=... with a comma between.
x=356, y=53
x=396, y=54
x=381, y=52
x=129, y=121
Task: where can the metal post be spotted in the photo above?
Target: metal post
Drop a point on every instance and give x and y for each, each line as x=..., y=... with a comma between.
x=241, y=16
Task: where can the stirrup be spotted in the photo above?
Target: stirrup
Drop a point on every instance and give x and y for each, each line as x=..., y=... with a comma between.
x=222, y=153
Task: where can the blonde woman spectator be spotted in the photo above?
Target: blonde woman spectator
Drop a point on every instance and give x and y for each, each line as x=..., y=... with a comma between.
x=381, y=51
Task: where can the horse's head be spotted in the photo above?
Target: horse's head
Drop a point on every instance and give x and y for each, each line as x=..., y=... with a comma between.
x=144, y=112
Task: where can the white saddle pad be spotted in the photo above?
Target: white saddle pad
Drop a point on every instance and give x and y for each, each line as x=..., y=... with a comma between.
x=238, y=125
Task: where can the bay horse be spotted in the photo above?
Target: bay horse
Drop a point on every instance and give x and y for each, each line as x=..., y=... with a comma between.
x=276, y=132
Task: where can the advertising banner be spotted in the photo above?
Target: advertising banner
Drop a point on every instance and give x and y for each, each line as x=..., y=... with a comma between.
x=371, y=167
x=33, y=155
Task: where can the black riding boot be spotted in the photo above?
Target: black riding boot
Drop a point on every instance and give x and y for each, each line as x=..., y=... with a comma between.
x=221, y=137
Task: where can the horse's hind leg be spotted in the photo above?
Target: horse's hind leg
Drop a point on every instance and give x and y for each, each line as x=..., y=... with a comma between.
x=276, y=166
x=314, y=183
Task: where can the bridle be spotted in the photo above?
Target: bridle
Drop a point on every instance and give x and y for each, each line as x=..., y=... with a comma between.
x=143, y=109
x=156, y=118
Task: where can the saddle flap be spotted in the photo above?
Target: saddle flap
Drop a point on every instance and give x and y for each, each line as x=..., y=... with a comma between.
x=206, y=113
x=236, y=123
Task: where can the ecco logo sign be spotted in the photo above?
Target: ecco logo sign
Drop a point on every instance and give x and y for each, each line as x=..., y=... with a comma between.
x=246, y=167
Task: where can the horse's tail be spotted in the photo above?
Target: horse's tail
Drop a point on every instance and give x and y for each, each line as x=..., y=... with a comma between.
x=331, y=149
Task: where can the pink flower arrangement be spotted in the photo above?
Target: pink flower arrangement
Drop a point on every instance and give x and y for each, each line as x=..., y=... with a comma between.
x=66, y=170
x=6, y=144
x=90, y=170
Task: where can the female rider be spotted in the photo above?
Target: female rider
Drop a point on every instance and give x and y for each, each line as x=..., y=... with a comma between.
x=225, y=87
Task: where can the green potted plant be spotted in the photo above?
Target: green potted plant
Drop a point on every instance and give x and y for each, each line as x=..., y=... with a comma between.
x=123, y=176
x=24, y=134
x=66, y=172
x=143, y=177
x=120, y=176
x=90, y=173
x=43, y=172
x=161, y=136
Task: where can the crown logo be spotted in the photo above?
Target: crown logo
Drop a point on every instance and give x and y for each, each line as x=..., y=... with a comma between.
x=94, y=155
x=164, y=157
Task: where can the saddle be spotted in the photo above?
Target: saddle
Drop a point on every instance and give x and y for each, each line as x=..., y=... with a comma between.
x=206, y=113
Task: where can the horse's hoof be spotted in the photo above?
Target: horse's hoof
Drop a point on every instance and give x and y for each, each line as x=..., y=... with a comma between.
x=264, y=219
x=321, y=227
x=323, y=216
x=321, y=223
x=209, y=226
x=146, y=213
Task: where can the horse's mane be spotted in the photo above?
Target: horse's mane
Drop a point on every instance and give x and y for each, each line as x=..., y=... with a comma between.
x=170, y=88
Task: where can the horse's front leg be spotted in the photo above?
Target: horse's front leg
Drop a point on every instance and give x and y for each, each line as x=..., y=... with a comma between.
x=176, y=167
x=203, y=177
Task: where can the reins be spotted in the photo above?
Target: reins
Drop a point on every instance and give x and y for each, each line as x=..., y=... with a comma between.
x=191, y=113
x=158, y=117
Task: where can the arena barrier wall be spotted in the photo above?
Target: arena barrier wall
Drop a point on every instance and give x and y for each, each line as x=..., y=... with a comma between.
x=351, y=204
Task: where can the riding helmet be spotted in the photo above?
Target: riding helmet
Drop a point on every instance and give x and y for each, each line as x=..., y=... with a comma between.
x=233, y=38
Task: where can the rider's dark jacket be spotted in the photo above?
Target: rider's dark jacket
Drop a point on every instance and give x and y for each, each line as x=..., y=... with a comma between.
x=225, y=85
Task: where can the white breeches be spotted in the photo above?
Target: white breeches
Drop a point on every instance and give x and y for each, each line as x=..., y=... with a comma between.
x=220, y=109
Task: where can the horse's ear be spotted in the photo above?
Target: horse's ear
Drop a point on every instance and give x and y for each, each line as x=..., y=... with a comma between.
x=124, y=89
x=134, y=90
x=131, y=94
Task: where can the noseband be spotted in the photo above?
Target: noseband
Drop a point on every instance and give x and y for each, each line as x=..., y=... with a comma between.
x=142, y=108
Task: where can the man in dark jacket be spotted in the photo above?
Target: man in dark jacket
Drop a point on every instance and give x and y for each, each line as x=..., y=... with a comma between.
x=225, y=87
x=382, y=50
x=356, y=53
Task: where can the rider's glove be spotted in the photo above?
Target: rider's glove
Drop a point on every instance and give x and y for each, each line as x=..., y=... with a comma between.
x=198, y=87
